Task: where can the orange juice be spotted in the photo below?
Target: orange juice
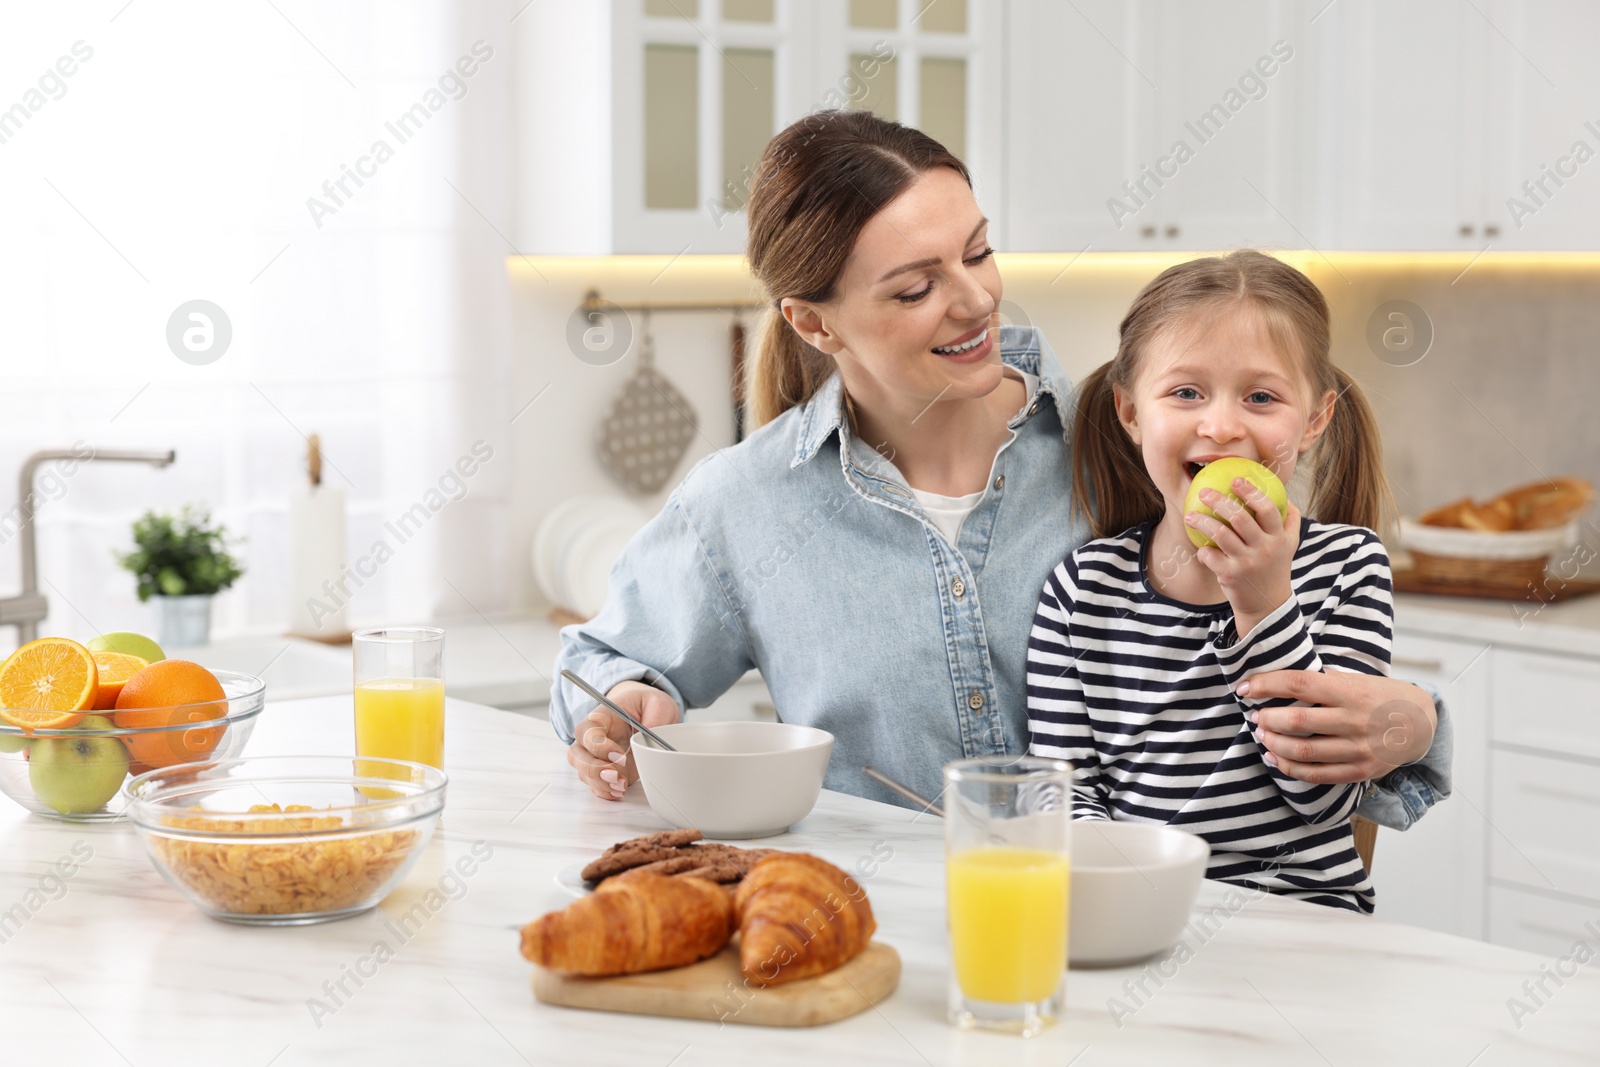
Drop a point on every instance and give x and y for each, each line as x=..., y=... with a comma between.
x=401, y=718
x=1008, y=922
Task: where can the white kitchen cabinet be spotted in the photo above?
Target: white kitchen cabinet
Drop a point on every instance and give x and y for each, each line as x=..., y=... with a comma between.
x=1543, y=172
x=1233, y=84
x=1389, y=127
x=1547, y=702
x=1514, y=853
x=1433, y=875
x=1154, y=125
x=1535, y=922
x=1546, y=832
x=1078, y=123
x=1407, y=93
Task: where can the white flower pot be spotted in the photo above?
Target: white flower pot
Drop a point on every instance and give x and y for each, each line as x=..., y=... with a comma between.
x=185, y=621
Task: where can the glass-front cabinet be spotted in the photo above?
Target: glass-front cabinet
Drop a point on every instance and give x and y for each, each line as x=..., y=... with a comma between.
x=697, y=88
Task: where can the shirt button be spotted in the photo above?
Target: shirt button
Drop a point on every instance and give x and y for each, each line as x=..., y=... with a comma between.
x=958, y=587
x=1000, y=482
x=975, y=700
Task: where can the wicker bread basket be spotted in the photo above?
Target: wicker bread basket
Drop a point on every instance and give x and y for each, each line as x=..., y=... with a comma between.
x=1475, y=557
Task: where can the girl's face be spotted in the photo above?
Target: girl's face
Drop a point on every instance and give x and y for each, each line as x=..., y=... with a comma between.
x=1216, y=388
x=913, y=319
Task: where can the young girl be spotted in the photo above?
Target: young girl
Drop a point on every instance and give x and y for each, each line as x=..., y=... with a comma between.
x=1141, y=641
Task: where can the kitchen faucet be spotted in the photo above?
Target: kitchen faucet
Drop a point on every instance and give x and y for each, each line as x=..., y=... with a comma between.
x=27, y=609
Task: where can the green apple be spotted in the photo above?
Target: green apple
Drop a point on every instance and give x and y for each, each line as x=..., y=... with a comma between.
x=1219, y=475
x=77, y=775
x=131, y=644
x=14, y=743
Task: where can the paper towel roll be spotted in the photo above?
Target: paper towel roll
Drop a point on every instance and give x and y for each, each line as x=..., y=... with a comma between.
x=316, y=562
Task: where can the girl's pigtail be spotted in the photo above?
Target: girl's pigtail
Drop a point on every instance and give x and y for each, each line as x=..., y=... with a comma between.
x=1348, y=479
x=1110, y=487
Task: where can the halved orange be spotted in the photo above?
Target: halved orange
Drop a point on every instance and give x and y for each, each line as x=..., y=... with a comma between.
x=115, y=669
x=48, y=684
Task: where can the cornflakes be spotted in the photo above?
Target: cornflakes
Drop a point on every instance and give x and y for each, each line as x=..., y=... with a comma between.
x=281, y=877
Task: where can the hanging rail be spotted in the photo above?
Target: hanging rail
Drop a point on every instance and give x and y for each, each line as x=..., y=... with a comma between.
x=592, y=301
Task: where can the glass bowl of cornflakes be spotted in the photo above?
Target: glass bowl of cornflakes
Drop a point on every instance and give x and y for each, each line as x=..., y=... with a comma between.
x=286, y=840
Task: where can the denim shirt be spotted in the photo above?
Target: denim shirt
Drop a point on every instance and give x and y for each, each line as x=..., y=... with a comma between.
x=803, y=553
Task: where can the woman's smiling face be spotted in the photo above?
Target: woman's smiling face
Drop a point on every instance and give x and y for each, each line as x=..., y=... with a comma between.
x=913, y=318
x=1214, y=387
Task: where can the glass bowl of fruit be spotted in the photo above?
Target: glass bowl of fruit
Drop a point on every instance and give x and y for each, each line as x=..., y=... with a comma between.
x=286, y=840
x=77, y=721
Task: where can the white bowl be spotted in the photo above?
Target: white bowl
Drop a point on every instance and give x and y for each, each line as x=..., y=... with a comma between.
x=734, y=779
x=1133, y=886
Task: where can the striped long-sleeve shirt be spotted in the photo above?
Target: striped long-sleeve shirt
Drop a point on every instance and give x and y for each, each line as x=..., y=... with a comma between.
x=1137, y=691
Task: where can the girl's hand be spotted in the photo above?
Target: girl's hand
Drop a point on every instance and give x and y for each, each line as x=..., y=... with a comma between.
x=1254, y=550
x=602, y=753
x=1366, y=726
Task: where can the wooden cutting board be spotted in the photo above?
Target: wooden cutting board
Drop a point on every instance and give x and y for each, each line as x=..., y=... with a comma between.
x=715, y=991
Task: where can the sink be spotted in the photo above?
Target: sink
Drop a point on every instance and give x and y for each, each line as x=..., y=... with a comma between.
x=292, y=667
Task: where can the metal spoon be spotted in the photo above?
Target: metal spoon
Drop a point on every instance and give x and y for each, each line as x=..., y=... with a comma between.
x=629, y=719
x=910, y=794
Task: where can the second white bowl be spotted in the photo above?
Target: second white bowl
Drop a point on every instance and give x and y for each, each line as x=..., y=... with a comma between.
x=1133, y=886
x=734, y=779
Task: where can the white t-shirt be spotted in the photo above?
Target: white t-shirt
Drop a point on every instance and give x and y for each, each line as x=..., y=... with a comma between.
x=947, y=513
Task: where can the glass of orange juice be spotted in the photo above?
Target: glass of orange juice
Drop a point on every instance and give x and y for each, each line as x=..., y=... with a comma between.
x=1008, y=863
x=399, y=679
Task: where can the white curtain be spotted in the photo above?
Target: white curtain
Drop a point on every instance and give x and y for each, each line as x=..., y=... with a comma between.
x=336, y=178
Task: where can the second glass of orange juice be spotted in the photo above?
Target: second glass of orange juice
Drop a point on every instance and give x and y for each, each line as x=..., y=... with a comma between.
x=399, y=693
x=1008, y=872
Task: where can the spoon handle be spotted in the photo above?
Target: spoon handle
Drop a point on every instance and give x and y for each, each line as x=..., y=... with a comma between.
x=911, y=795
x=629, y=719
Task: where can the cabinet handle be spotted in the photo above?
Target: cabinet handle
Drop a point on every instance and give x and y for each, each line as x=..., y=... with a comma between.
x=1466, y=229
x=1148, y=231
x=1416, y=664
x=1172, y=231
x=1491, y=230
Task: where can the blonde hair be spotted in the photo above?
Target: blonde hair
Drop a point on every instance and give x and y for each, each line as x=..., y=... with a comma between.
x=1111, y=487
x=816, y=185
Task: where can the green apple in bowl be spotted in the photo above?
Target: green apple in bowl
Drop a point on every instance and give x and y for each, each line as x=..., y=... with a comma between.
x=128, y=643
x=77, y=775
x=12, y=743
x=1219, y=475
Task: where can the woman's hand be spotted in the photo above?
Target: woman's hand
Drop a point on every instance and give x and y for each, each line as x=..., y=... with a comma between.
x=601, y=753
x=1254, y=551
x=1366, y=726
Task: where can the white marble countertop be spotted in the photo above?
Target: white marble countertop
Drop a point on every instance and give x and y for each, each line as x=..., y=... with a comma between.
x=1570, y=626
x=111, y=966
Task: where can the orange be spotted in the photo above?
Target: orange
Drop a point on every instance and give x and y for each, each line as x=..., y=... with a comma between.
x=115, y=669
x=48, y=684
x=171, y=692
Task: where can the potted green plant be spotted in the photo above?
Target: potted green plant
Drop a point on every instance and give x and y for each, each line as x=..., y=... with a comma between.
x=183, y=561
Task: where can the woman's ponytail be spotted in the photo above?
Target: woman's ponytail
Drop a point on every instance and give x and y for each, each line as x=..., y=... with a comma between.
x=785, y=372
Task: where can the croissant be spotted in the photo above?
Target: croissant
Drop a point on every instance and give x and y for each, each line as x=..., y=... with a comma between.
x=636, y=921
x=799, y=916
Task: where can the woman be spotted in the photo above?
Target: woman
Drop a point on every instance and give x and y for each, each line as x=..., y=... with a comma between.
x=875, y=548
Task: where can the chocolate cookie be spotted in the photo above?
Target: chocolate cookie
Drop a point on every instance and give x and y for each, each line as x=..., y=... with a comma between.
x=721, y=873
x=686, y=860
x=626, y=859
x=660, y=839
